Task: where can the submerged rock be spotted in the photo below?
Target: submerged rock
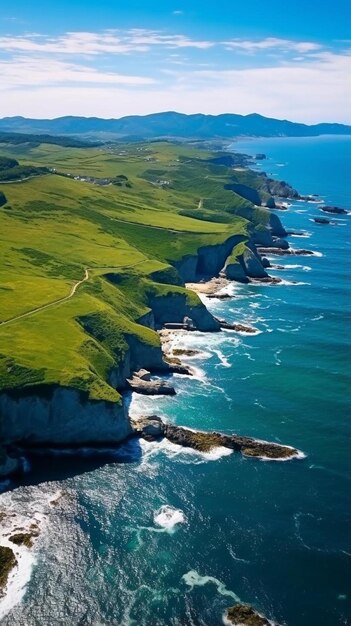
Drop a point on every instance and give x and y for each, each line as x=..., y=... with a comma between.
x=290, y=251
x=273, y=280
x=185, y=352
x=333, y=209
x=321, y=220
x=244, y=615
x=240, y=328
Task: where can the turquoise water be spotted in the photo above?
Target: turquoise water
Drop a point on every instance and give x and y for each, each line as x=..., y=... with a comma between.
x=275, y=534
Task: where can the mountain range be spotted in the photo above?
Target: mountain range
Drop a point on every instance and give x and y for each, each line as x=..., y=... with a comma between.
x=172, y=124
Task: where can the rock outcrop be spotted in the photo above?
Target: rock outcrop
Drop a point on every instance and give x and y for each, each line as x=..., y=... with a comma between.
x=333, y=209
x=289, y=251
x=239, y=328
x=244, y=615
x=321, y=220
x=141, y=382
x=7, y=562
x=235, y=271
x=276, y=227
x=153, y=427
x=252, y=264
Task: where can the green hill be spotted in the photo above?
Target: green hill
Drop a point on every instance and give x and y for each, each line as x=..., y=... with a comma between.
x=64, y=234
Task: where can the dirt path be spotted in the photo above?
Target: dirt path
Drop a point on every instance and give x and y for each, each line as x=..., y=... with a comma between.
x=71, y=293
x=46, y=306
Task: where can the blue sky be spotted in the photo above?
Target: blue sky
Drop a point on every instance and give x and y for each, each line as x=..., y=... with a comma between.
x=110, y=58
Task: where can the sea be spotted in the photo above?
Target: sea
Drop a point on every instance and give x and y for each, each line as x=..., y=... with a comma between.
x=152, y=534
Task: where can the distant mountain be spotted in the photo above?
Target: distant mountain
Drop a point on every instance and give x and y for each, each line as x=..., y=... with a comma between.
x=172, y=124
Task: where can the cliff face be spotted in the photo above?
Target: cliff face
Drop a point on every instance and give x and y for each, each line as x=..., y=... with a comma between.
x=62, y=417
x=208, y=262
x=252, y=265
x=174, y=308
x=276, y=227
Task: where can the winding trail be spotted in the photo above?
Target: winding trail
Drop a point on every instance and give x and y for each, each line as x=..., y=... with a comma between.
x=65, y=298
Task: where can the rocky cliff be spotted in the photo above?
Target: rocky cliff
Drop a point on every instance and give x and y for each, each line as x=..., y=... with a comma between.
x=60, y=416
x=208, y=261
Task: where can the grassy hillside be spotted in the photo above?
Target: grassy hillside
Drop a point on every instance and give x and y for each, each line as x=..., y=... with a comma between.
x=62, y=237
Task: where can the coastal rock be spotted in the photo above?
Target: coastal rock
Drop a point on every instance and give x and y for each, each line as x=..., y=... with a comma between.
x=244, y=615
x=252, y=265
x=260, y=156
x=25, y=538
x=321, y=220
x=240, y=328
x=289, y=251
x=265, y=262
x=333, y=209
x=150, y=387
x=176, y=367
x=273, y=280
x=278, y=242
x=277, y=228
x=150, y=428
x=7, y=562
x=185, y=352
x=205, y=441
x=220, y=296
x=235, y=271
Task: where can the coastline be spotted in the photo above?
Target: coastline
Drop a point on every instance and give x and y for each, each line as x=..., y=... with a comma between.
x=211, y=293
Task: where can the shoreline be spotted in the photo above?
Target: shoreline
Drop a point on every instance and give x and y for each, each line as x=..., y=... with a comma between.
x=214, y=288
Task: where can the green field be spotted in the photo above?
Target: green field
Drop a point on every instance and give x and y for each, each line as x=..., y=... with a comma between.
x=56, y=229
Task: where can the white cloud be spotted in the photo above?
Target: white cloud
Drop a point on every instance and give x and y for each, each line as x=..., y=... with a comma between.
x=149, y=37
x=106, y=42
x=270, y=43
x=310, y=93
x=32, y=72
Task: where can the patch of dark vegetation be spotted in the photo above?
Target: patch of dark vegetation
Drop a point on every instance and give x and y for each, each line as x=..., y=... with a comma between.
x=14, y=376
x=3, y=199
x=7, y=563
x=20, y=172
x=7, y=164
x=207, y=216
x=53, y=267
x=36, y=140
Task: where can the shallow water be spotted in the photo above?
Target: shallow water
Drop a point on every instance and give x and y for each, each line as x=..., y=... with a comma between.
x=160, y=535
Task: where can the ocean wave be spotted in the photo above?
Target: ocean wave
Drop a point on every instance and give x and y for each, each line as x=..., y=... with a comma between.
x=223, y=359
x=25, y=510
x=168, y=517
x=151, y=449
x=194, y=579
x=305, y=268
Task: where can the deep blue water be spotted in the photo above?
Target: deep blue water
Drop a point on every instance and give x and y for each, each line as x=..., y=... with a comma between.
x=273, y=534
